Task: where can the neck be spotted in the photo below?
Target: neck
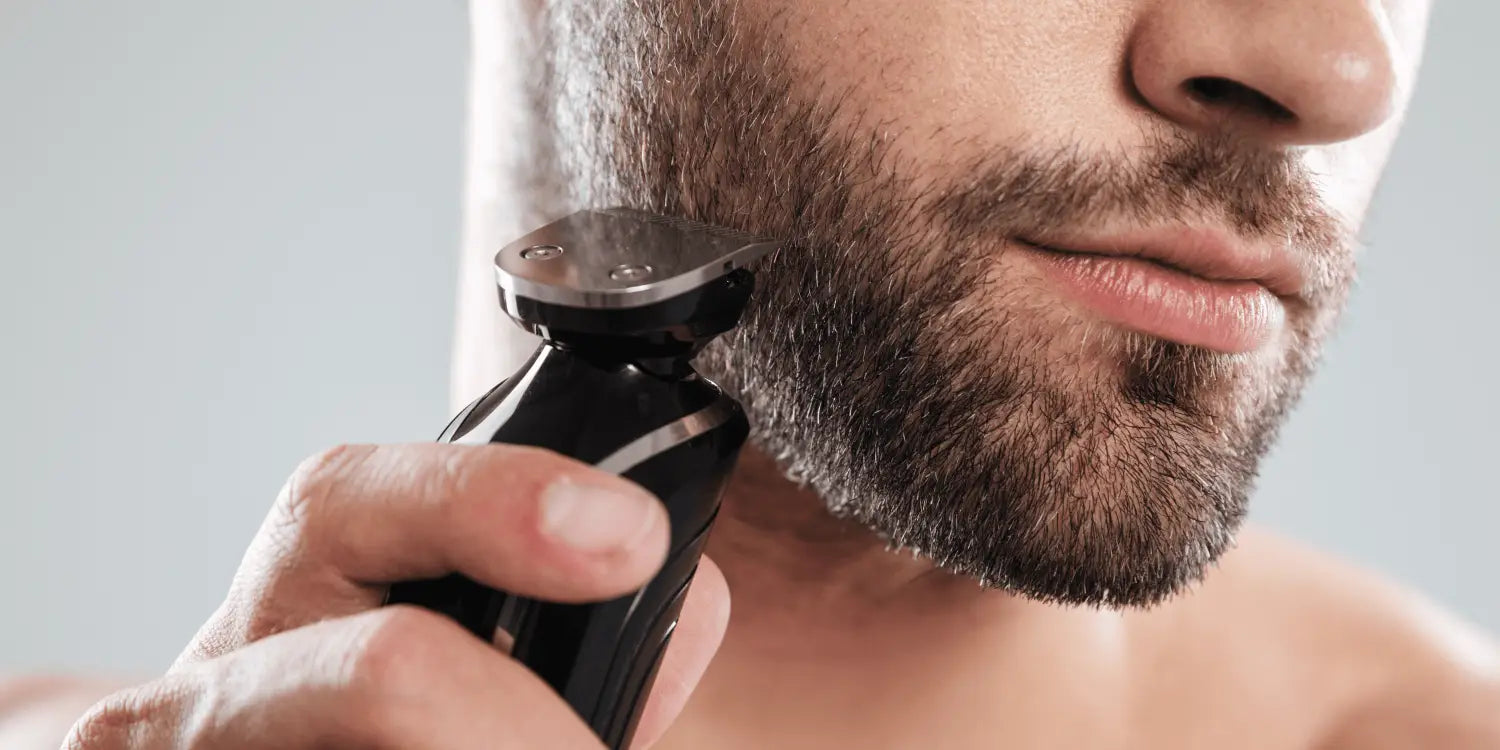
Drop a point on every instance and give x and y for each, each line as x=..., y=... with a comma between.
x=805, y=581
x=840, y=642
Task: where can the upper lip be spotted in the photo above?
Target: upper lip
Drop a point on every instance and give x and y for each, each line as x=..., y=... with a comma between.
x=1205, y=252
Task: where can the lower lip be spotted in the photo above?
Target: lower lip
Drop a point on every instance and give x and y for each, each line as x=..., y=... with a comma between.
x=1226, y=316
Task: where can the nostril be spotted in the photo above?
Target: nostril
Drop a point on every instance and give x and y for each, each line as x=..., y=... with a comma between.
x=1223, y=93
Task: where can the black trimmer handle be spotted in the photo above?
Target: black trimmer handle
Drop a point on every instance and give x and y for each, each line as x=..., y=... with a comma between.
x=678, y=439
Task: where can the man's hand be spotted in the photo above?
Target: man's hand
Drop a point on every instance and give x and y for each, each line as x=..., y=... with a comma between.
x=301, y=655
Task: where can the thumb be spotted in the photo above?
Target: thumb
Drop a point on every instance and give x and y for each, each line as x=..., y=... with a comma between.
x=700, y=630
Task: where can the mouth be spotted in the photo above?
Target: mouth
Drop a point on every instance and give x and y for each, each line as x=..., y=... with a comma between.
x=1193, y=287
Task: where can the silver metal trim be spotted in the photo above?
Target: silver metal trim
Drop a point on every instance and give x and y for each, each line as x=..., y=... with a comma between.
x=682, y=254
x=669, y=435
x=627, y=457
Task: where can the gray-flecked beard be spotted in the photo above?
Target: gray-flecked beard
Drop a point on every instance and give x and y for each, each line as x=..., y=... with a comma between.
x=882, y=362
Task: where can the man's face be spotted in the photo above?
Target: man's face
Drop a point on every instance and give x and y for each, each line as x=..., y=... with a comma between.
x=954, y=346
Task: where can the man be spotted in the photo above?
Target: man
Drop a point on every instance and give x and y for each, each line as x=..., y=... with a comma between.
x=1054, y=274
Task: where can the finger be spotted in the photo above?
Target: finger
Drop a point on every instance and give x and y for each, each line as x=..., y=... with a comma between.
x=522, y=519
x=700, y=630
x=398, y=677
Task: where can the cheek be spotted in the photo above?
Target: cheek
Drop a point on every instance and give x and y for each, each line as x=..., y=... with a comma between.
x=942, y=83
x=1347, y=173
x=932, y=76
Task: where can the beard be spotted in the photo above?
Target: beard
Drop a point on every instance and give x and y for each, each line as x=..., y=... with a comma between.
x=891, y=359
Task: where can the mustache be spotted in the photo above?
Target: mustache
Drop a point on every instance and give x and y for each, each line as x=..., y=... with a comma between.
x=1259, y=192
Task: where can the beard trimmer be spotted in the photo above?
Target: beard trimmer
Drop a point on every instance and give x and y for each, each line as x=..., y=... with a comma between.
x=622, y=300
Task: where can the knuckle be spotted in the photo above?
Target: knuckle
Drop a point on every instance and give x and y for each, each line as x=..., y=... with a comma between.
x=458, y=477
x=397, y=651
x=398, y=662
x=99, y=729
x=119, y=721
x=318, y=477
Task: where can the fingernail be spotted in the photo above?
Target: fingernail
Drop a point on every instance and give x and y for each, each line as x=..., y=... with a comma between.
x=591, y=518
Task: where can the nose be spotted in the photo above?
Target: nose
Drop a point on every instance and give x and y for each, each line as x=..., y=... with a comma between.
x=1285, y=72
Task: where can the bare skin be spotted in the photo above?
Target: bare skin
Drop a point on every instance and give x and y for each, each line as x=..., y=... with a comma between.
x=1280, y=647
x=835, y=641
x=302, y=655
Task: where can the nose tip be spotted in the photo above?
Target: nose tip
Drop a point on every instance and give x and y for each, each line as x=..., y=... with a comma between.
x=1288, y=72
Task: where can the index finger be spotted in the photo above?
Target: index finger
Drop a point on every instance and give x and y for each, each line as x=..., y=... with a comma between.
x=526, y=520
x=354, y=519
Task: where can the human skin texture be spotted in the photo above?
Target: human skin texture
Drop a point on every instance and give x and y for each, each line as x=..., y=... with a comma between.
x=1042, y=335
x=1053, y=274
x=962, y=135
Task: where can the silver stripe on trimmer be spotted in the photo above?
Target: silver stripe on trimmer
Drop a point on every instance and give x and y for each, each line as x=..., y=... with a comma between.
x=630, y=455
x=669, y=435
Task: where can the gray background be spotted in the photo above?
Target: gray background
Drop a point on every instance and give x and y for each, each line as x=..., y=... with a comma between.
x=230, y=235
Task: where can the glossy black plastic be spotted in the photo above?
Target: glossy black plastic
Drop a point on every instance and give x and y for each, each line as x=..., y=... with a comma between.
x=599, y=382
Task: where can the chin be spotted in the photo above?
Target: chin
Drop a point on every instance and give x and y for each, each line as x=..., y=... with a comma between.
x=1014, y=439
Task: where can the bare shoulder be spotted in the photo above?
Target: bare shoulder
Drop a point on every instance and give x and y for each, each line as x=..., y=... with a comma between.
x=1395, y=669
